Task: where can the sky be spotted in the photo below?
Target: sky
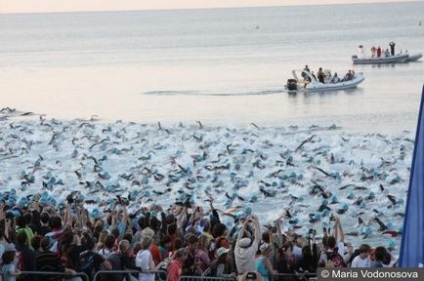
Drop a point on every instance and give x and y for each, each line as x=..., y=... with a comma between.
x=37, y=6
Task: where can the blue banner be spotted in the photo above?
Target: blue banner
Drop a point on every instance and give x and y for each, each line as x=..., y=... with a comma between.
x=412, y=245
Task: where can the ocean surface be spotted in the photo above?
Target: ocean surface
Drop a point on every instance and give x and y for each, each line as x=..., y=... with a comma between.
x=218, y=66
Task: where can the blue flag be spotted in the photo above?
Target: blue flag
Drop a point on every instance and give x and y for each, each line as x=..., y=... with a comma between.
x=412, y=246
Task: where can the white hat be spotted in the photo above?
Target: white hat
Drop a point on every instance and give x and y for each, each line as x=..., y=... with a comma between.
x=147, y=232
x=264, y=247
x=222, y=251
x=245, y=242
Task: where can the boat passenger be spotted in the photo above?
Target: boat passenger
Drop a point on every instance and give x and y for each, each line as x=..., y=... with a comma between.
x=335, y=78
x=361, y=53
x=321, y=75
x=378, y=52
x=387, y=53
x=392, y=48
x=373, y=50
x=304, y=73
x=348, y=76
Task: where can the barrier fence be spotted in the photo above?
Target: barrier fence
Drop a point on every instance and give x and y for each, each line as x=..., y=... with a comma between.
x=206, y=278
x=294, y=276
x=160, y=275
x=277, y=277
x=55, y=273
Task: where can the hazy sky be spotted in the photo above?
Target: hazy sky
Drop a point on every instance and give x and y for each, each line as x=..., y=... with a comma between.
x=13, y=6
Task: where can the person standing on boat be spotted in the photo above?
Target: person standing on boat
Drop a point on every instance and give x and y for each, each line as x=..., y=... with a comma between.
x=373, y=49
x=305, y=72
x=378, y=52
x=392, y=48
x=361, y=51
x=320, y=75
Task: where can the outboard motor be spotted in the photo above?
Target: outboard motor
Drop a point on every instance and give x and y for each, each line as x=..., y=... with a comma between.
x=291, y=84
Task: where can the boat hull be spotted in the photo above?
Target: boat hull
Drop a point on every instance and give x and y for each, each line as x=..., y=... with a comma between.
x=401, y=58
x=414, y=57
x=316, y=86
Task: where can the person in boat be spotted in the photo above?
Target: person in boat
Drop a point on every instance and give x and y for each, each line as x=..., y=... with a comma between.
x=378, y=52
x=348, y=76
x=361, y=51
x=335, y=78
x=304, y=73
x=392, y=48
x=373, y=50
x=321, y=75
x=387, y=53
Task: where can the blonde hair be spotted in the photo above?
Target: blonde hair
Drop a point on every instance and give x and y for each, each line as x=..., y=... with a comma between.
x=123, y=245
x=146, y=242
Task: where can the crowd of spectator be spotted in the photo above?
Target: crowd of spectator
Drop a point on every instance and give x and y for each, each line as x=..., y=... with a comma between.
x=183, y=240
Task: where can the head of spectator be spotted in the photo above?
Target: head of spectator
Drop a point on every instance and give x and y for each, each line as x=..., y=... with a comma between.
x=115, y=232
x=128, y=235
x=172, y=229
x=181, y=255
x=265, y=249
x=110, y=241
x=380, y=254
x=45, y=244
x=219, y=230
x=124, y=246
x=20, y=221
x=87, y=242
x=155, y=224
x=44, y=218
x=364, y=251
x=36, y=242
x=67, y=236
x=146, y=242
x=192, y=243
x=22, y=238
x=137, y=248
x=331, y=242
x=9, y=256
x=55, y=223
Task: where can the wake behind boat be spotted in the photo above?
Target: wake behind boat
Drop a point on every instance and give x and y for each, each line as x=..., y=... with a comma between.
x=305, y=81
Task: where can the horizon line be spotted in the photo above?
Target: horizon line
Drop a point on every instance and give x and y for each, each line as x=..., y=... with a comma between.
x=200, y=8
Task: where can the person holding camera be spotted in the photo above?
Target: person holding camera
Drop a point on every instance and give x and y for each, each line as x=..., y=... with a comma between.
x=246, y=247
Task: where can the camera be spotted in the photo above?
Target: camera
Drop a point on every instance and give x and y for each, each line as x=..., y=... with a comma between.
x=251, y=276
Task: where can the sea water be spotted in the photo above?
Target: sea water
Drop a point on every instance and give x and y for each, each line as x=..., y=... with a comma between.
x=213, y=65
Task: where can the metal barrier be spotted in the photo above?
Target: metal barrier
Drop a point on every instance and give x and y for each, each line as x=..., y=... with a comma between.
x=160, y=275
x=64, y=274
x=294, y=276
x=206, y=278
x=277, y=277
